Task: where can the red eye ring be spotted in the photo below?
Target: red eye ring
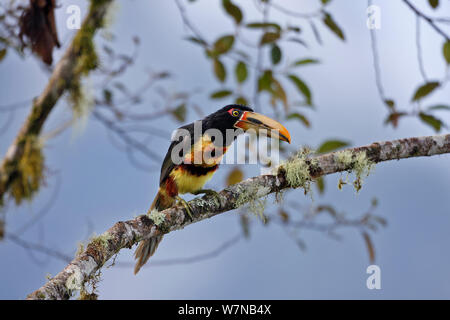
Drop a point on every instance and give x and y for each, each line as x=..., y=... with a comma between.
x=234, y=112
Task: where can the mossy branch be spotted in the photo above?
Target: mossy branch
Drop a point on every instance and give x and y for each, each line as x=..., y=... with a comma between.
x=298, y=172
x=21, y=175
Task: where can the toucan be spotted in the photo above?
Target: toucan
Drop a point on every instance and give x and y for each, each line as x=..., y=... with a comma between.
x=190, y=174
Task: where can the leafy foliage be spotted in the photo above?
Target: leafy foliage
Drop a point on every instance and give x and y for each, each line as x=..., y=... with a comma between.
x=425, y=90
x=332, y=145
x=332, y=25
x=432, y=121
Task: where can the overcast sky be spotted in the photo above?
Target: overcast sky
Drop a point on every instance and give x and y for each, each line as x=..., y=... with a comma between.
x=98, y=185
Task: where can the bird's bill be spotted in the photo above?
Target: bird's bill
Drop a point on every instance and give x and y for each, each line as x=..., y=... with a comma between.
x=256, y=121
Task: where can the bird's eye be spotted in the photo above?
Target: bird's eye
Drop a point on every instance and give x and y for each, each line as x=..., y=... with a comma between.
x=235, y=113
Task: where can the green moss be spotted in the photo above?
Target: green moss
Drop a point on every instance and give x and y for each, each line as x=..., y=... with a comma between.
x=249, y=195
x=74, y=282
x=110, y=16
x=344, y=157
x=83, y=42
x=80, y=98
x=96, y=249
x=27, y=174
x=157, y=217
x=356, y=162
x=89, y=289
x=101, y=242
x=84, y=47
x=87, y=58
x=257, y=207
x=85, y=295
x=297, y=170
x=80, y=249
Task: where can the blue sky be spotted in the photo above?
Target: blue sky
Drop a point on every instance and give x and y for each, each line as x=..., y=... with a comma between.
x=99, y=186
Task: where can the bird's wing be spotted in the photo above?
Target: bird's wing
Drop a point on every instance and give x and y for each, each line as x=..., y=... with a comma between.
x=168, y=164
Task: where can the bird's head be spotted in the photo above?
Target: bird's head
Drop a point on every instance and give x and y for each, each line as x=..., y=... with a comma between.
x=241, y=117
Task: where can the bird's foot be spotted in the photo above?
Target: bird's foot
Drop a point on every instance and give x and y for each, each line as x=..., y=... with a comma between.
x=208, y=192
x=186, y=206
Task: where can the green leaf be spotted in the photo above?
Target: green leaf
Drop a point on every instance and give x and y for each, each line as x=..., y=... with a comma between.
x=320, y=183
x=331, y=145
x=433, y=3
x=220, y=94
x=446, y=51
x=300, y=117
x=241, y=71
x=390, y=103
x=306, y=61
x=302, y=87
x=265, y=81
x=2, y=54
x=241, y=100
x=439, y=107
x=232, y=10
x=294, y=29
x=219, y=70
x=261, y=25
x=324, y=2
x=331, y=24
x=180, y=112
x=425, y=90
x=275, y=54
x=269, y=37
x=278, y=92
x=430, y=120
x=235, y=176
x=224, y=44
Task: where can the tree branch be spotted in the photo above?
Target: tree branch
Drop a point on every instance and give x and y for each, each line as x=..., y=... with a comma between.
x=76, y=62
x=427, y=19
x=125, y=234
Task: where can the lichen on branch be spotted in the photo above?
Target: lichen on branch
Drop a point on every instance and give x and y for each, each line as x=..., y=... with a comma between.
x=28, y=171
x=298, y=169
x=125, y=234
x=356, y=162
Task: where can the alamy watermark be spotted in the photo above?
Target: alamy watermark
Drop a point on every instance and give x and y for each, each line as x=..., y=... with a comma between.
x=374, y=280
x=374, y=17
x=73, y=22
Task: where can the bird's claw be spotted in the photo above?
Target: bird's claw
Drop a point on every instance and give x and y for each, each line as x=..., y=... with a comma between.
x=186, y=206
x=208, y=192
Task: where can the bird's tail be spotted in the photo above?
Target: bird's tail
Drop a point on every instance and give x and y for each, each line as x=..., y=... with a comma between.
x=147, y=247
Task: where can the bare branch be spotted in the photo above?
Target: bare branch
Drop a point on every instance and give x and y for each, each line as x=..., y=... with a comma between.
x=428, y=19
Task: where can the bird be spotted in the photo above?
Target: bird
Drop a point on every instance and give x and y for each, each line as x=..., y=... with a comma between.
x=187, y=172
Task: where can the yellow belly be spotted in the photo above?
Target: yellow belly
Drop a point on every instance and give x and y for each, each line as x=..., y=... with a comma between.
x=188, y=183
